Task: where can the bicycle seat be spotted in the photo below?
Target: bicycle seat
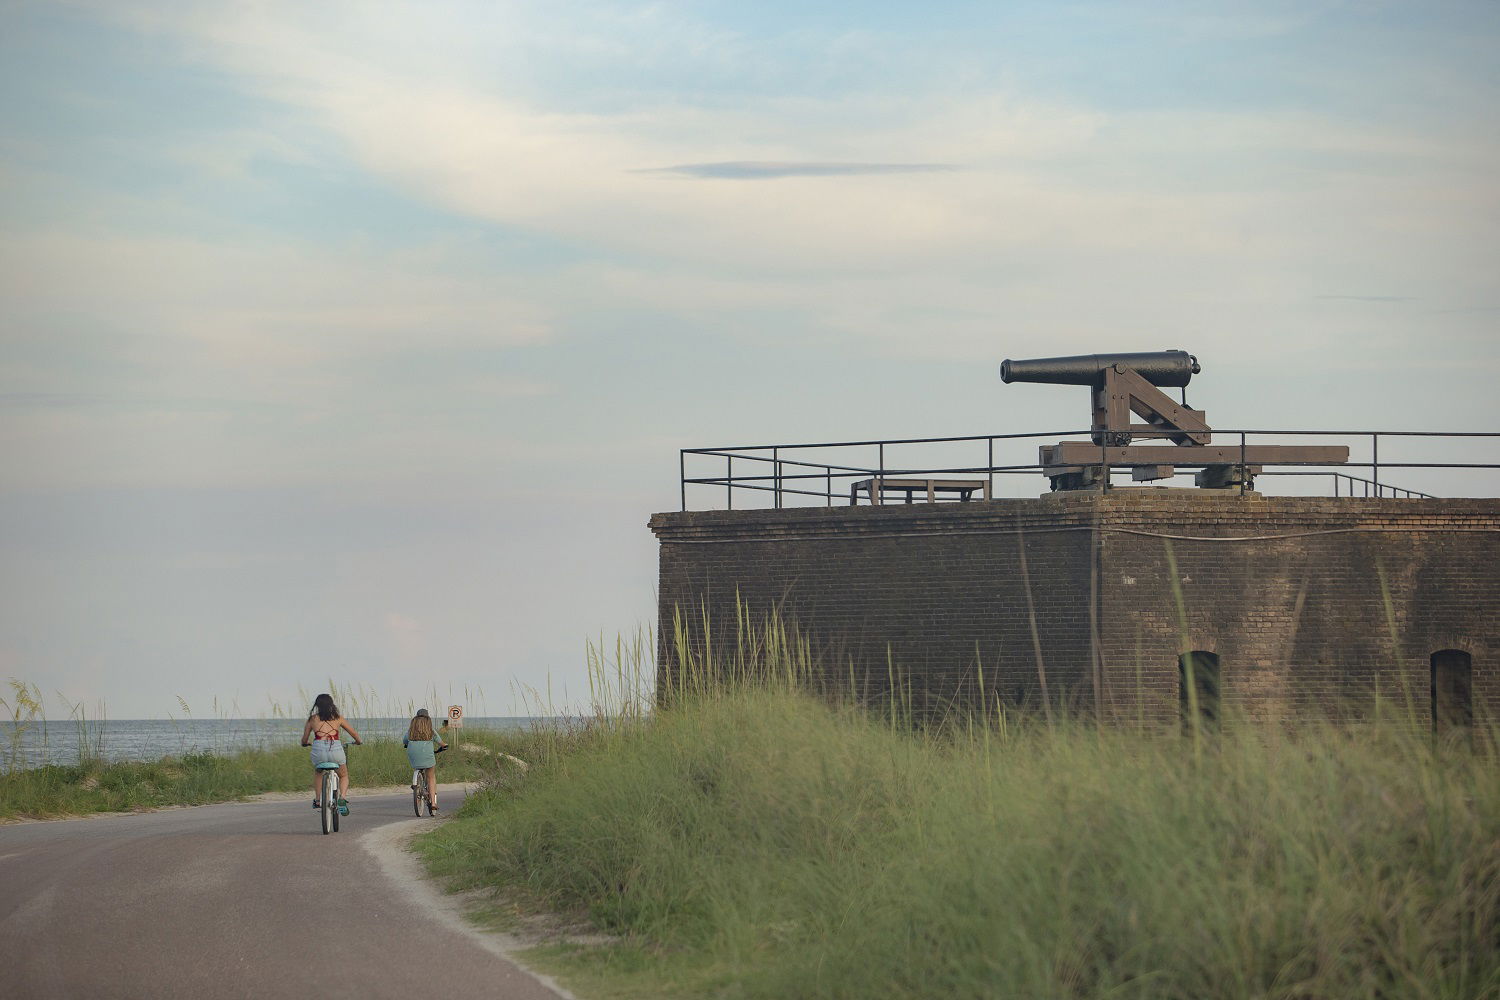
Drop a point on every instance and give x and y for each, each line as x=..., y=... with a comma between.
x=329, y=765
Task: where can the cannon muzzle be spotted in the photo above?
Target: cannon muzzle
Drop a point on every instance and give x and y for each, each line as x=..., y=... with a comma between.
x=1160, y=368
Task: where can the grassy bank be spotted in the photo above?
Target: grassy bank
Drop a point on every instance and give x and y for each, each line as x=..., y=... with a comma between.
x=92, y=785
x=761, y=844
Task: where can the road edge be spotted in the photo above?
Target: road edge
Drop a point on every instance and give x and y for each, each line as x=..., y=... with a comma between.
x=390, y=845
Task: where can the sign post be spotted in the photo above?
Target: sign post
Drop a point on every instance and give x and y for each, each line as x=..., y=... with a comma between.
x=456, y=723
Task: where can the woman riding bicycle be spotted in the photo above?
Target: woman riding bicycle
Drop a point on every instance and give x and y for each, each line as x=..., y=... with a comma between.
x=322, y=734
x=422, y=746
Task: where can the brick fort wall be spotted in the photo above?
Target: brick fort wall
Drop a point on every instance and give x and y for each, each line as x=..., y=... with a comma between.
x=1311, y=604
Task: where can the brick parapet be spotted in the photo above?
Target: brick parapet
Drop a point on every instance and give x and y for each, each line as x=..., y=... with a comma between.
x=1124, y=509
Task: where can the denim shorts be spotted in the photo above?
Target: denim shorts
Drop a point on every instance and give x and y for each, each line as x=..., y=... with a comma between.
x=328, y=752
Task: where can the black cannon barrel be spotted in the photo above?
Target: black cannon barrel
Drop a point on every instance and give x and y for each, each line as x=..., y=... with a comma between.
x=1160, y=368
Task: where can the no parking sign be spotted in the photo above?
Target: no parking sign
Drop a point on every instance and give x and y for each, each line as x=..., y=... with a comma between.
x=455, y=716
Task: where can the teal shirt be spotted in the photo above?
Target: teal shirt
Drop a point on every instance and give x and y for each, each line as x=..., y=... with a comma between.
x=422, y=753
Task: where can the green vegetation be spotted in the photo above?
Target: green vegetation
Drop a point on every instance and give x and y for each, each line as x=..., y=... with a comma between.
x=757, y=842
x=749, y=839
x=192, y=779
x=90, y=784
x=93, y=785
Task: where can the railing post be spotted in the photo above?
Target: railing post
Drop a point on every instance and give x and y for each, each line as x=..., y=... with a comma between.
x=682, y=475
x=881, y=473
x=776, y=473
x=828, y=489
x=729, y=482
x=1375, y=462
x=991, y=460
x=1244, y=473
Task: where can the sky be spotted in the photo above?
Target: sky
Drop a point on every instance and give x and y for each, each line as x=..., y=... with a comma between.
x=357, y=341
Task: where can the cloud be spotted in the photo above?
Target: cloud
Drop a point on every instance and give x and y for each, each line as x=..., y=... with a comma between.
x=450, y=135
x=762, y=170
x=293, y=305
x=1370, y=298
x=1064, y=220
x=1036, y=174
x=148, y=359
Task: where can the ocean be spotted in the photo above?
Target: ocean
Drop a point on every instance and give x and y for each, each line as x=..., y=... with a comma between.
x=37, y=743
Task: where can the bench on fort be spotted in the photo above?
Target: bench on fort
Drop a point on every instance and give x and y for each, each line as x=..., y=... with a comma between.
x=876, y=489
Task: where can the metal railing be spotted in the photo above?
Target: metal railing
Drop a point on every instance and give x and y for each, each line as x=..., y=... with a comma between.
x=755, y=470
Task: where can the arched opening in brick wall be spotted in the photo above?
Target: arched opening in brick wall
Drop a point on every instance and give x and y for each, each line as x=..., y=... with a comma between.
x=1452, y=690
x=1198, y=675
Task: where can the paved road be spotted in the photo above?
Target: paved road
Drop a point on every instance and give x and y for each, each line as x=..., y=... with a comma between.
x=236, y=900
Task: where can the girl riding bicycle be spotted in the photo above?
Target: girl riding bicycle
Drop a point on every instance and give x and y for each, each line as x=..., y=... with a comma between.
x=322, y=734
x=422, y=745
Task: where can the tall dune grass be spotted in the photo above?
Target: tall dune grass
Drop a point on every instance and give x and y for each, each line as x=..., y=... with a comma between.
x=748, y=839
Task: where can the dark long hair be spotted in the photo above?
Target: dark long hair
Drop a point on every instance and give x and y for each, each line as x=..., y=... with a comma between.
x=324, y=708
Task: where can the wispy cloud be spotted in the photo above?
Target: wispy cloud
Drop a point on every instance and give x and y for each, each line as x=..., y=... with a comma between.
x=1002, y=171
x=751, y=170
x=264, y=302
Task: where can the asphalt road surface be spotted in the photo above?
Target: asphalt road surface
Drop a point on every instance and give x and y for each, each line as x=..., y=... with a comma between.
x=239, y=900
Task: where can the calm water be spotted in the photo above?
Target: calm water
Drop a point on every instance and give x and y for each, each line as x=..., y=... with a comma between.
x=150, y=739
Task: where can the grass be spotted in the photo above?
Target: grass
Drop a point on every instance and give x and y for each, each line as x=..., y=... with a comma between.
x=88, y=783
x=749, y=839
x=754, y=841
x=92, y=785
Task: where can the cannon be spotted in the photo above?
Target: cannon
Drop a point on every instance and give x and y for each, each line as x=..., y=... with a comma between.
x=1123, y=386
x=1161, y=368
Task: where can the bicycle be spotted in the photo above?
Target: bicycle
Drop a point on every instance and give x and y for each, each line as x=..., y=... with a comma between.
x=419, y=790
x=328, y=792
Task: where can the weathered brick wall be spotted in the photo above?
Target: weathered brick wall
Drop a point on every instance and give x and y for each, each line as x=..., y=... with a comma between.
x=1311, y=603
x=1288, y=591
x=927, y=591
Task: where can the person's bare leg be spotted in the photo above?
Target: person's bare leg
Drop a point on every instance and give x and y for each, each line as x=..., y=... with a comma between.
x=343, y=781
x=431, y=773
x=317, y=780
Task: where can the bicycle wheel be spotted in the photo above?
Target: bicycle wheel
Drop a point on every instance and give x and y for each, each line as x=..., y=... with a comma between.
x=418, y=793
x=336, y=813
x=326, y=809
